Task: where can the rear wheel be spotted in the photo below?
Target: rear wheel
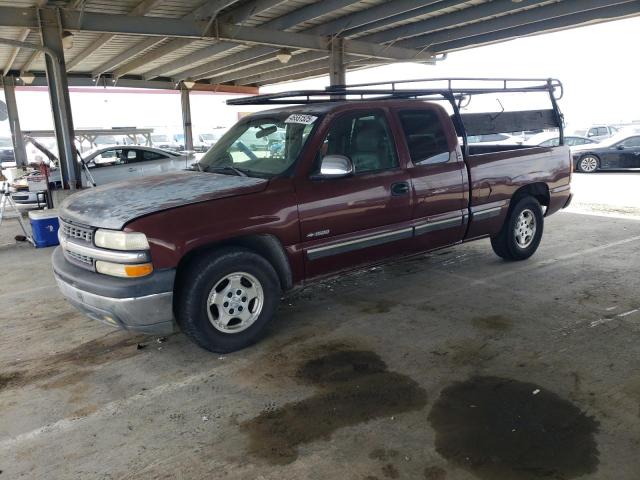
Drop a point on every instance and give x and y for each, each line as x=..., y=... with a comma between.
x=521, y=233
x=588, y=164
x=227, y=299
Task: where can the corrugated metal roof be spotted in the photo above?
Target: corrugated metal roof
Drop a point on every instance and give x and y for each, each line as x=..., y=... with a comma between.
x=269, y=10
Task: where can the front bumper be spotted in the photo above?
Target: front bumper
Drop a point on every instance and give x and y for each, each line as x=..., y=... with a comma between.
x=142, y=305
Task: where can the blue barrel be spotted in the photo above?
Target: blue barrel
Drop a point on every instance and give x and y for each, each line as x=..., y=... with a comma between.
x=44, y=227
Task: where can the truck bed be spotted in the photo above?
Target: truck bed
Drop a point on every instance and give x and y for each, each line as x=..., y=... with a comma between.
x=496, y=173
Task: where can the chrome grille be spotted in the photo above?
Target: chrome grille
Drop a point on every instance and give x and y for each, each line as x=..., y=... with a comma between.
x=74, y=231
x=76, y=257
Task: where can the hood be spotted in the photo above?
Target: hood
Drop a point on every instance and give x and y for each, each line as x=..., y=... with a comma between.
x=114, y=205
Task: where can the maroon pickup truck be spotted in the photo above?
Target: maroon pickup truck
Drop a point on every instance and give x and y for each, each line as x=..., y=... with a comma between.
x=297, y=193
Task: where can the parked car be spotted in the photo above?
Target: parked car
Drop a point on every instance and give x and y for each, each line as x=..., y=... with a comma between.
x=111, y=164
x=594, y=132
x=355, y=184
x=210, y=138
x=618, y=152
x=553, y=140
x=198, y=145
x=164, y=141
x=6, y=151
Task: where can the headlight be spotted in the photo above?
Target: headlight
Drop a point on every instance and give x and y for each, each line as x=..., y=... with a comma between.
x=116, y=240
x=124, y=270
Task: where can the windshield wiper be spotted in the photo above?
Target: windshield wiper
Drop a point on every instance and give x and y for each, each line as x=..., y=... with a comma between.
x=228, y=168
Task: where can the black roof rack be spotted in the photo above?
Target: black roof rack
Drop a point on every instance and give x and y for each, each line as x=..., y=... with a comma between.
x=441, y=89
x=453, y=90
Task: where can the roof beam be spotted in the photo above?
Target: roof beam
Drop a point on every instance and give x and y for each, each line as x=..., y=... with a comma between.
x=304, y=14
x=363, y=18
x=470, y=14
x=627, y=9
x=238, y=15
x=306, y=41
x=21, y=38
x=135, y=50
x=298, y=70
x=548, y=12
x=141, y=9
x=14, y=53
x=299, y=59
x=396, y=14
x=107, y=23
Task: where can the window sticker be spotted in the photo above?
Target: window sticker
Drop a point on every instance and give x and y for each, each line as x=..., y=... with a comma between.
x=300, y=118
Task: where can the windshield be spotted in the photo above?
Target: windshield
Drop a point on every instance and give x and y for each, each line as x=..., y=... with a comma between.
x=264, y=146
x=5, y=142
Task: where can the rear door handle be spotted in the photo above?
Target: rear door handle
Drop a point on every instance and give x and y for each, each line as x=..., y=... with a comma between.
x=400, y=188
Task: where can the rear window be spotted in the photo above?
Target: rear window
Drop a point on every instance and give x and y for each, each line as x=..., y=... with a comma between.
x=425, y=135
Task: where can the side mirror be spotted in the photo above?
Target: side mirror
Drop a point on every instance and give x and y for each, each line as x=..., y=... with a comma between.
x=335, y=166
x=620, y=147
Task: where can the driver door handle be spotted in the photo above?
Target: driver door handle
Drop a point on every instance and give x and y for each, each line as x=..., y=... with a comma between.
x=400, y=188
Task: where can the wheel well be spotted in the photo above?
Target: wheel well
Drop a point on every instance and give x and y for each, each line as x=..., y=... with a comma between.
x=589, y=154
x=267, y=246
x=539, y=191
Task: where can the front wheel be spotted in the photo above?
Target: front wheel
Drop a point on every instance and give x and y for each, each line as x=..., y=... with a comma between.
x=588, y=164
x=226, y=299
x=521, y=233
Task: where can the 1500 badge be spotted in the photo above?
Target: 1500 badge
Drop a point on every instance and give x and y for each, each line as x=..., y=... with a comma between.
x=319, y=233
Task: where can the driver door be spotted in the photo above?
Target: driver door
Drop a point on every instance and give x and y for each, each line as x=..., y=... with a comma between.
x=361, y=218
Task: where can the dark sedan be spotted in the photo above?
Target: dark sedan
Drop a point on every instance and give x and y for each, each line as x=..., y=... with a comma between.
x=618, y=152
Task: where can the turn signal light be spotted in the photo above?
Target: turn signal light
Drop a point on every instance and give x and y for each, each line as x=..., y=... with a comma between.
x=124, y=270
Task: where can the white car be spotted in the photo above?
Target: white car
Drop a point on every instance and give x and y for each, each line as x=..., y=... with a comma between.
x=495, y=139
x=164, y=141
x=111, y=164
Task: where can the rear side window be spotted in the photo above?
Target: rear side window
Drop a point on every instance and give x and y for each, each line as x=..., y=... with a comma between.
x=425, y=136
x=149, y=155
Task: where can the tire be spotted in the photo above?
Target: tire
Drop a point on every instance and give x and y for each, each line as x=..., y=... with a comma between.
x=231, y=285
x=588, y=164
x=521, y=233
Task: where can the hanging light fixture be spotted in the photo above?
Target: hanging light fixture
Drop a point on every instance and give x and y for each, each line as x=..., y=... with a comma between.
x=67, y=40
x=283, y=55
x=27, y=77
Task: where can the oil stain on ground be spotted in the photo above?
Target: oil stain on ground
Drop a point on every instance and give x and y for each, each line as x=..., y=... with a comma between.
x=354, y=387
x=502, y=428
x=93, y=353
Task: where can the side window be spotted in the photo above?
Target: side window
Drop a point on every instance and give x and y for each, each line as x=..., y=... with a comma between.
x=365, y=139
x=108, y=158
x=425, y=136
x=592, y=132
x=148, y=155
x=632, y=142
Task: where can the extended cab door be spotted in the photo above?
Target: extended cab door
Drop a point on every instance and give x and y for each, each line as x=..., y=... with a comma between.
x=438, y=176
x=361, y=218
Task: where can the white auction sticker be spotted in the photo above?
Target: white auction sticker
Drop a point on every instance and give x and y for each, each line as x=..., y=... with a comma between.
x=300, y=118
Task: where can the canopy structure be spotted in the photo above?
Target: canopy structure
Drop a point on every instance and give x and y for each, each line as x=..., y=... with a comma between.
x=239, y=45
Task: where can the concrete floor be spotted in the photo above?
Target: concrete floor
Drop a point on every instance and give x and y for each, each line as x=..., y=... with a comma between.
x=454, y=365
